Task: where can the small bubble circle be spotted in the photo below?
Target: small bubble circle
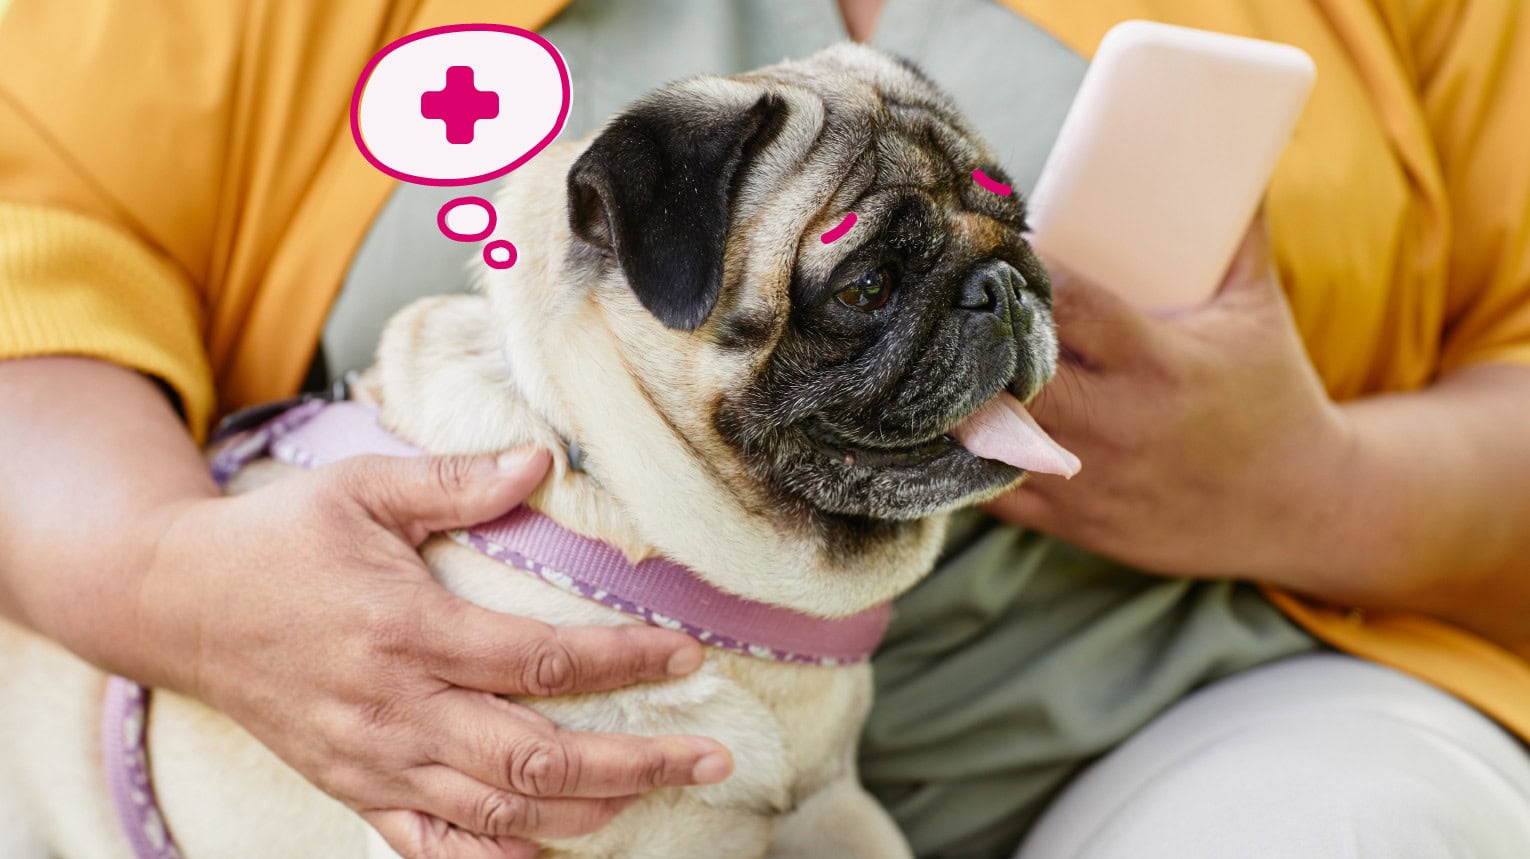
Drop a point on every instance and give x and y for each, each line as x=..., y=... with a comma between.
x=467, y=219
x=499, y=254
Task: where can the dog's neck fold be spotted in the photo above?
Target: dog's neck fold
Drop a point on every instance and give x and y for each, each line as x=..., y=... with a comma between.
x=444, y=384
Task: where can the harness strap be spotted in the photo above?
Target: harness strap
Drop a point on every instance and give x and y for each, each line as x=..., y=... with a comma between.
x=657, y=591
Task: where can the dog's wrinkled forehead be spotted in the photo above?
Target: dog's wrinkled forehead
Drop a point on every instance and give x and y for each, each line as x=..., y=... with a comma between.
x=874, y=100
x=868, y=127
x=673, y=186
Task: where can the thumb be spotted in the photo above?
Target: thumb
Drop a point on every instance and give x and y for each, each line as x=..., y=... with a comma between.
x=415, y=497
x=1095, y=325
x=1251, y=275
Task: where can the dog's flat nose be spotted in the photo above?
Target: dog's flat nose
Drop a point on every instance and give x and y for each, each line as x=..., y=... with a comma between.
x=998, y=288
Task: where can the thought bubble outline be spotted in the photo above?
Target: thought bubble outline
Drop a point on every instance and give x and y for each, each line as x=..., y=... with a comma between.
x=500, y=244
x=366, y=75
x=479, y=235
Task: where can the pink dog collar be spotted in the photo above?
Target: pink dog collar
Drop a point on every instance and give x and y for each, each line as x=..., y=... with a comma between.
x=656, y=591
x=123, y=726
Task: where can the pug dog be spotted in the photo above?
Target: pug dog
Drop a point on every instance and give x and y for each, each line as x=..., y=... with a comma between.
x=788, y=412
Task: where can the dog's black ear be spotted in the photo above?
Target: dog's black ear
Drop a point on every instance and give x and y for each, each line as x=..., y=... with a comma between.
x=655, y=191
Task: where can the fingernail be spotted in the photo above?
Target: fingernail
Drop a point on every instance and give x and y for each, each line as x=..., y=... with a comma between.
x=513, y=461
x=712, y=768
x=684, y=661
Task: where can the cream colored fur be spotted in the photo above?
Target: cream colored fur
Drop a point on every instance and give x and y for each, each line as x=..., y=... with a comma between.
x=538, y=357
x=582, y=363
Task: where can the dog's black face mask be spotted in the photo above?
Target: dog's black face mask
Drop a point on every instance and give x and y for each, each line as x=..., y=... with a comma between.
x=918, y=328
x=875, y=351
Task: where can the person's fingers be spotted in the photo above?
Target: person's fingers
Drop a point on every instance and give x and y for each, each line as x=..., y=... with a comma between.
x=1063, y=403
x=1095, y=325
x=496, y=813
x=415, y=835
x=414, y=497
x=536, y=758
x=470, y=646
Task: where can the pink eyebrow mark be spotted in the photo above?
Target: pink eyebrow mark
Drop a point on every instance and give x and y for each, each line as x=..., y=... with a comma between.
x=838, y=231
x=990, y=185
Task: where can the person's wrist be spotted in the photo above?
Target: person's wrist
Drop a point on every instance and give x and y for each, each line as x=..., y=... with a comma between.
x=1351, y=541
x=1379, y=553
x=1307, y=489
x=164, y=599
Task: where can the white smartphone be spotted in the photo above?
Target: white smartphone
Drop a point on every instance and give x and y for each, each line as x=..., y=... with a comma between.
x=1163, y=158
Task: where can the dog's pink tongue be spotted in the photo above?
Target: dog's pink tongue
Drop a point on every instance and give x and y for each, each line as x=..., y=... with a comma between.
x=1002, y=429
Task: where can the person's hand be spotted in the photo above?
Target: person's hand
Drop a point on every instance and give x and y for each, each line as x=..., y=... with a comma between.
x=315, y=625
x=1204, y=435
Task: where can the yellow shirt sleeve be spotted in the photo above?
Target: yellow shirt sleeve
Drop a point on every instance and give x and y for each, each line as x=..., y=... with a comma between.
x=151, y=158
x=113, y=131
x=185, y=197
x=1471, y=59
x=74, y=285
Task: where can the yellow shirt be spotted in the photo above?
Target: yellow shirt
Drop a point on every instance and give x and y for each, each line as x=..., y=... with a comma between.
x=179, y=194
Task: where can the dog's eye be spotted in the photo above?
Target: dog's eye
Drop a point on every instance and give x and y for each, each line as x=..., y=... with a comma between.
x=870, y=292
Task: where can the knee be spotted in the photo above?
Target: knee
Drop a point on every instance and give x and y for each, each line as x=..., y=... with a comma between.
x=1324, y=787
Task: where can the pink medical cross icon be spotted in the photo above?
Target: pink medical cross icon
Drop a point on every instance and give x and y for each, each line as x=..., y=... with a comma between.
x=459, y=104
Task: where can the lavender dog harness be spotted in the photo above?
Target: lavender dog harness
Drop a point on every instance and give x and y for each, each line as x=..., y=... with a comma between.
x=656, y=591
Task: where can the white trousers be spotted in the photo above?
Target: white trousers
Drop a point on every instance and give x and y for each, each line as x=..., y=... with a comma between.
x=1315, y=757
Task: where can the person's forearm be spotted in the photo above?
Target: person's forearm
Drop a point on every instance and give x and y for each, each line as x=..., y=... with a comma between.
x=1429, y=510
x=94, y=462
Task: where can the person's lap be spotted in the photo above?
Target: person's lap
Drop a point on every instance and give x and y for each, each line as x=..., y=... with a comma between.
x=1318, y=757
